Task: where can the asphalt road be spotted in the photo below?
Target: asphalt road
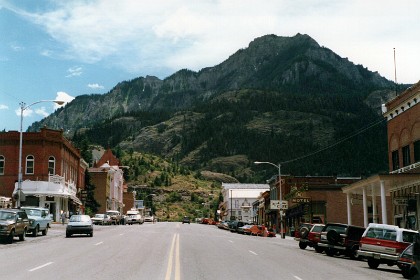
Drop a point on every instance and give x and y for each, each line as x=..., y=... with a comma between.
x=174, y=251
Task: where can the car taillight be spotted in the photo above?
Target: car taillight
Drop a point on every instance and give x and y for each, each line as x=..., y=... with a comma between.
x=407, y=260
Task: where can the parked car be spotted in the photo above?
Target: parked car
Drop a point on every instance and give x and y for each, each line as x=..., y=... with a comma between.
x=79, y=224
x=39, y=219
x=383, y=244
x=243, y=229
x=13, y=222
x=310, y=237
x=134, y=217
x=149, y=219
x=101, y=219
x=257, y=230
x=116, y=216
x=304, y=227
x=233, y=227
x=406, y=263
x=341, y=239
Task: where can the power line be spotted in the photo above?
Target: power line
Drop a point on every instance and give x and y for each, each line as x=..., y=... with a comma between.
x=372, y=124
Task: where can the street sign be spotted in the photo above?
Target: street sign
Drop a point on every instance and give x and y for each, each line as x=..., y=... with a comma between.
x=278, y=205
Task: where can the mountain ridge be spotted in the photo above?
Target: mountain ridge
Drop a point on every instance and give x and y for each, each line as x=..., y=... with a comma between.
x=284, y=89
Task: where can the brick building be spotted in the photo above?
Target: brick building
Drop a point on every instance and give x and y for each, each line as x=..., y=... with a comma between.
x=399, y=190
x=107, y=177
x=53, y=171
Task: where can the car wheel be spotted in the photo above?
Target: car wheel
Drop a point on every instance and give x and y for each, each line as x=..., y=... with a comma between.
x=68, y=234
x=304, y=232
x=333, y=236
x=9, y=238
x=373, y=263
x=412, y=273
x=35, y=231
x=318, y=249
x=302, y=245
x=91, y=234
x=353, y=253
x=44, y=232
x=23, y=235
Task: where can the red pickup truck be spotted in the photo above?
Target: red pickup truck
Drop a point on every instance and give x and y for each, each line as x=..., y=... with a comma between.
x=382, y=244
x=309, y=235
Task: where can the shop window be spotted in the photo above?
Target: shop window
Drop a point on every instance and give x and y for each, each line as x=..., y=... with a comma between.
x=417, y=151
x=406, y=155
x=30, y=162
x=51, y=166
x=395, y=160
x=2, y=165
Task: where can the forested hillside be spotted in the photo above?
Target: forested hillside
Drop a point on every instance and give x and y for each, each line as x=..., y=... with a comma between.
x=283, y=99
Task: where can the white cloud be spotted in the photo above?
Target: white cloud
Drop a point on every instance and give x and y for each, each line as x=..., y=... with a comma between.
x=74, y=71
x=159, y=34
x=95, y=86
x=42, y=111
x=62, y=96
x=3, y=107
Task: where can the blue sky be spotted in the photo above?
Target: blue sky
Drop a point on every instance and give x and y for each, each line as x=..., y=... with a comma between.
x=56, y=50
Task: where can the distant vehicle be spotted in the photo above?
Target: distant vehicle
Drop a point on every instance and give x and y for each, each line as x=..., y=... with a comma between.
x=243, y=228
x=79, y=224
x=115, y=216
x=383, y=244
x=39, y=219
x=13, y=222
x=134, y=217
x=233, y=227
x=149, y=219
x=101, y=219
x=186, y=220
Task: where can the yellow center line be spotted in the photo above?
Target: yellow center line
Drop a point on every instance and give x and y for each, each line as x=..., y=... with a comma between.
x=174, y=246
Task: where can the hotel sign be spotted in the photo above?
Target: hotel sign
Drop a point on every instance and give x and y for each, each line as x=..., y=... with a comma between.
x=301, y=200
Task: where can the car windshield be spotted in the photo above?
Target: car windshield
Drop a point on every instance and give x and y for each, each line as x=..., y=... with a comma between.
x=33, y=212
x=99, y=215
x=79, y=218
x=381, y=233
x=6, y=216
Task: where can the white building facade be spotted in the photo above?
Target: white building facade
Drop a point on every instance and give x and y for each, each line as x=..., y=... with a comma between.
x=238, y=200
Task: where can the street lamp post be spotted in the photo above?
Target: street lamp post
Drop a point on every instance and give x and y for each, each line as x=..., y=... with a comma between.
x=281, y=194
x=23, y=107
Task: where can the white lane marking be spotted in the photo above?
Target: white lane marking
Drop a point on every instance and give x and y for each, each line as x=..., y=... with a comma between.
x=99, y=243
x=298, y=278
x=230, y=241
x=121, y=234
x=177, y=261
x=252, y=252
x=41, y=266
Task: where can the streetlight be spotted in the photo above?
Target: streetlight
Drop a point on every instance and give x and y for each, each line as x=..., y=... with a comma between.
x=23, y=107
x=281, y=195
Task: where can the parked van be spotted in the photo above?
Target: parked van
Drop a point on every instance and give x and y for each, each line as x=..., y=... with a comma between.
x=134, y=217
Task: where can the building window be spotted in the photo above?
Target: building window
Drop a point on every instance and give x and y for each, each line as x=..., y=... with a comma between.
x=1, y=165
x=51, y=166
x=406, y=155
x=395, y=160
x=30, y=162
x=417, y=151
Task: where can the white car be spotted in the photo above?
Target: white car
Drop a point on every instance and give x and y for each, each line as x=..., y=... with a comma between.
x=101, y=219
x=149, y=219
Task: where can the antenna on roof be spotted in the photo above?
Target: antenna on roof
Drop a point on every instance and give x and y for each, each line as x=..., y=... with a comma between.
x=395, y=73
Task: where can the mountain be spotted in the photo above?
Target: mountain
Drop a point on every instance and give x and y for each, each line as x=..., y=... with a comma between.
x=280, y=99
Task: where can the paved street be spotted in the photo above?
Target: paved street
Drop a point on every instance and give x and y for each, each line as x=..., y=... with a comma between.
x=173, y=251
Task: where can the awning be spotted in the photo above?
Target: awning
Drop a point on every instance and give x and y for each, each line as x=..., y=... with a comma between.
x=76, y=200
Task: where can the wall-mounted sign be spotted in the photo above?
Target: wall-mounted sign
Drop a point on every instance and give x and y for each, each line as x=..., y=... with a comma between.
x=301, y=200
x=400, y=201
